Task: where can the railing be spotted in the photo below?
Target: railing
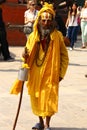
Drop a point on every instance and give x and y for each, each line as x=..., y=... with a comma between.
x=15, y=26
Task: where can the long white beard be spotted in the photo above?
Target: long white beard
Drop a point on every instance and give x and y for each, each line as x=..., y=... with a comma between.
x=45, y=32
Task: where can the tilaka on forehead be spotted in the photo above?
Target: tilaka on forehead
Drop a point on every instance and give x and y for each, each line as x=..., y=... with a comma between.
x=46, y=15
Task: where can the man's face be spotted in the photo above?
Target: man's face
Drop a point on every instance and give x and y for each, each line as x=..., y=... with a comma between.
x=46, y=20
x=45, y=24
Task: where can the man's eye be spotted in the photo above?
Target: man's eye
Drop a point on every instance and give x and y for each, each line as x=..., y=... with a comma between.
x=46, y=21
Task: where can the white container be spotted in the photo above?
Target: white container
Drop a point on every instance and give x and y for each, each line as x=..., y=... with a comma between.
x=23, y=74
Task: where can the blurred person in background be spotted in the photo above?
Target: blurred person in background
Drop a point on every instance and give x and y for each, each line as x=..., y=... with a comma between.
x=84, y=25
x=3, y=38
x=30, y=15
x=72, y=24
x=60, y=25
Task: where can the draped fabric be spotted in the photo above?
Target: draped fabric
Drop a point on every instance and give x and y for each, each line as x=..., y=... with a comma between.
x=43, y=81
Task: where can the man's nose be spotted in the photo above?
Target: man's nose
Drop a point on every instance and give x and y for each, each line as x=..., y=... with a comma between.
x=45, y=22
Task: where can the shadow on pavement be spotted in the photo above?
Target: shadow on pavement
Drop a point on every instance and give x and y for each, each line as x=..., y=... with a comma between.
x=77, y=49
x=63, y=128
x=76, y=64
x=9, y=70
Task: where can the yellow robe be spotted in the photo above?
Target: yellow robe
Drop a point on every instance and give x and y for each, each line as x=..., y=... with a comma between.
x=43, y=81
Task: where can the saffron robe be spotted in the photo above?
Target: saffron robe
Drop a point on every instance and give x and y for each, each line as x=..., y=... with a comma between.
x=43, y=81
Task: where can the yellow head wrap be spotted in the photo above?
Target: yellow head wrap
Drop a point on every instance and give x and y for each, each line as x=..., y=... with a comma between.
x=46, y=8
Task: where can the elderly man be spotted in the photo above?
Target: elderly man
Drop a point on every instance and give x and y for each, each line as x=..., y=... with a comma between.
x=47, y=59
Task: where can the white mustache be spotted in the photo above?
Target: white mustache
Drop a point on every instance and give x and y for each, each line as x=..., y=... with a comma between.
x=45, y=32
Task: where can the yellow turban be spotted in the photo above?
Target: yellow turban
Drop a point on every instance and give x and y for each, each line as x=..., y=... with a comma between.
x=46, y=8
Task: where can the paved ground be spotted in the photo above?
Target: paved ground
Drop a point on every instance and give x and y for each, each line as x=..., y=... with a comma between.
x=72, y=113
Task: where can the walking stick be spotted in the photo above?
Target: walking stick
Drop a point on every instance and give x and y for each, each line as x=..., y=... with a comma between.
x=18, y=110
x=22, y=76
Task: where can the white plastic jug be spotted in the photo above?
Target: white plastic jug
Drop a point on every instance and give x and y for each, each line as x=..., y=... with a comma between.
x=23, y=74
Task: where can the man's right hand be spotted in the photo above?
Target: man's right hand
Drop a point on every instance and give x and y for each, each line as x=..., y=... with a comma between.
x=25, y=54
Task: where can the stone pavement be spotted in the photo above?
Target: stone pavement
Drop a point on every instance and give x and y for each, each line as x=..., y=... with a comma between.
x=72, y=113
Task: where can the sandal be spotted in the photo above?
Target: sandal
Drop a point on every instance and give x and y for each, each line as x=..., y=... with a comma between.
x=38, y=126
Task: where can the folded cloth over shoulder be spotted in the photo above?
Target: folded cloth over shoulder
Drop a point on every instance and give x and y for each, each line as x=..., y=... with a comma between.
x=16, y=87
